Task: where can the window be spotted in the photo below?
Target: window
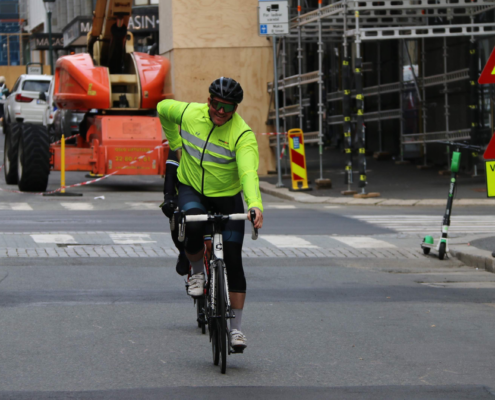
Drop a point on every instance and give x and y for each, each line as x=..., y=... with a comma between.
x=36, y=86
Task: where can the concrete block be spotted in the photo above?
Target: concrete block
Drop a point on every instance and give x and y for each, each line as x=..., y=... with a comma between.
x=432, y=202
x=398, y=202
x=365, y=202
x=474, y=202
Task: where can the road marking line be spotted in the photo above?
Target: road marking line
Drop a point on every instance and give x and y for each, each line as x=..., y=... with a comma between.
x=364, y=242
x=54, y=238
x=280, y=206
x=21, y=207
x=143, y=206
x=78, y=206
x=333, y=207
x=131, y=238
x=285, y=241
x=461, y=285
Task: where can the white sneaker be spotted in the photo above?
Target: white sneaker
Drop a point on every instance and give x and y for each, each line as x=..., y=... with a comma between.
x=196, y=285
x=238, y=340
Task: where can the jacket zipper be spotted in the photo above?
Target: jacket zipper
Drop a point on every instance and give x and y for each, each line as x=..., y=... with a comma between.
x=201, y=162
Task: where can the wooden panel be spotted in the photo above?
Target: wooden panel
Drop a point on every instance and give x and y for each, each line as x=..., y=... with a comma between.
x=195, y=69
x=11, y=73
x=213, y=23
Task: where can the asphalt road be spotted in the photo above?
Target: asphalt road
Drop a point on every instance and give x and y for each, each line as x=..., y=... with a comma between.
x=346, y=328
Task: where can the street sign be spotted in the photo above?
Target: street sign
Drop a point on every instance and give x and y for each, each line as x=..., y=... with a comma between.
x=273, y=17
x=490, y=178
x=488, y=74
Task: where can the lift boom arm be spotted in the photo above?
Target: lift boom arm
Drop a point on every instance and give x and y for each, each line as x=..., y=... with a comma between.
x=110, y=21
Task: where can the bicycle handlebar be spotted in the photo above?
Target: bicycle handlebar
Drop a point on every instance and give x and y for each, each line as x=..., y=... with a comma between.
x=206, y=217
x=211, y=218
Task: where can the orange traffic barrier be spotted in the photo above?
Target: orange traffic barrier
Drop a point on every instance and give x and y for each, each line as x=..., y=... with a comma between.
x=298, y=160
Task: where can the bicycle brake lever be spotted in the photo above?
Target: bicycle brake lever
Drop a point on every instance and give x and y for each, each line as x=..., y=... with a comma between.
x=182, y=227
x=254, y=231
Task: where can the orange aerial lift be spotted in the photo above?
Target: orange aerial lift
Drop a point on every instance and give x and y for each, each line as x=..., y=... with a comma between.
x=119, y=90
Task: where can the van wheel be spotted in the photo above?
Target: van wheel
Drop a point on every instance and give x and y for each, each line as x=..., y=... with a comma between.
x=34, y=158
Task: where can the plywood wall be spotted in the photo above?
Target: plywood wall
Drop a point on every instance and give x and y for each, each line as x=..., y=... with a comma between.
x=213, y=23
x=11, y=73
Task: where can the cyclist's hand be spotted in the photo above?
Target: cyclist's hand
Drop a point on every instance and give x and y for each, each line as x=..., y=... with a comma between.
x=258, y=221
x=168, y=208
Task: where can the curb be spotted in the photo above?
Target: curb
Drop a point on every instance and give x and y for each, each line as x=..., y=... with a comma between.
x=474, y=257
x=286, y=194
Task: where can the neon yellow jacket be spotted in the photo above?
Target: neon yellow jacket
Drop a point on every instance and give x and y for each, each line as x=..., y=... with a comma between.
x=216, y=161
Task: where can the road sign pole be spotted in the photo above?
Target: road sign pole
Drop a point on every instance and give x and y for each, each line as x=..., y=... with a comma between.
x=277, y=121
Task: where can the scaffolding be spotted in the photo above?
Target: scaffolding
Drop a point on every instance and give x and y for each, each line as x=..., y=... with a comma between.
x=349, y=24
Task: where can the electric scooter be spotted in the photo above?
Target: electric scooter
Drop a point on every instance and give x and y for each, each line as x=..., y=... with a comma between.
x=442, y=246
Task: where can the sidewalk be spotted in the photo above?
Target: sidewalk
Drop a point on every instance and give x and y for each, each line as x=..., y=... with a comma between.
x=398, y=185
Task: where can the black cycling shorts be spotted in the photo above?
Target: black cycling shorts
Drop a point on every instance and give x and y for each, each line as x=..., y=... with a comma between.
x=194, y=203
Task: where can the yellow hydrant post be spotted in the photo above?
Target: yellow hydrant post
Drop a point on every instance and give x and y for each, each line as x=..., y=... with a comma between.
x=62, y=165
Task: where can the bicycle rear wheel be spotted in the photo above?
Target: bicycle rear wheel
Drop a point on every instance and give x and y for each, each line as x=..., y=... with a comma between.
x=222, y=313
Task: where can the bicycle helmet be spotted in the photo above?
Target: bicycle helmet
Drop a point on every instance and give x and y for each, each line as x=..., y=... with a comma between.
x=227, y=89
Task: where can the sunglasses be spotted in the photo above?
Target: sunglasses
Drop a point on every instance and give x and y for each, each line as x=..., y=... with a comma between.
x=217, y=105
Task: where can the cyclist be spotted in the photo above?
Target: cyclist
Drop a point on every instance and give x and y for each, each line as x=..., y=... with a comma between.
x=220, y=158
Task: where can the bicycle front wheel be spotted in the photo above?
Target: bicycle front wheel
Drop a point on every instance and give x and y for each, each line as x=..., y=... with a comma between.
x=222, y=315
x=212, y=321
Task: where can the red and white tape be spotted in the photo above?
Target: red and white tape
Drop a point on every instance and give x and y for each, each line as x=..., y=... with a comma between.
x=67, y=138
x=87, y=182
x=272, y=133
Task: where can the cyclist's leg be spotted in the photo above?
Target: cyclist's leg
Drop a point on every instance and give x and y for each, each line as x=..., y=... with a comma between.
x=190, y=202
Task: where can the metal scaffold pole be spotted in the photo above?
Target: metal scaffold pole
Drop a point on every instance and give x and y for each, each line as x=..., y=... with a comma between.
x=379, y=73
x=424, y=109
x=320, y=93
x=284, y=64
x=277, y=120
x=401, y=107
x=360, y=128
x=346, y=109
x=299, y=64
x=446, y=96
x=473, y=95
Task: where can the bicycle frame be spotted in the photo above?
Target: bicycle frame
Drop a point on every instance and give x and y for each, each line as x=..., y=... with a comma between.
x=217, y=314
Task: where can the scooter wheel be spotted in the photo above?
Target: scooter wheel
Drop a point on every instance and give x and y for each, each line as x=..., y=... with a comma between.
x=426, y=250
x=441, y=250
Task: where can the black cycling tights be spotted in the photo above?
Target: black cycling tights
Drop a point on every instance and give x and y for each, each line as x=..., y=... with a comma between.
x=193, y=203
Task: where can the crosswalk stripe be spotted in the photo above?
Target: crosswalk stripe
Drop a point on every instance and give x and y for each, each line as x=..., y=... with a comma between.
x=131, y=238
x=421, y=223
x=21, y=207
x=279, y=206
x=285, y=241
x=364, y=242
x=143, y=206
x=54, y=238
x=78, y=206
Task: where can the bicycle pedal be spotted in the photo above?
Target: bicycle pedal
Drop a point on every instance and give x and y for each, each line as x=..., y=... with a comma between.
x=238, y=349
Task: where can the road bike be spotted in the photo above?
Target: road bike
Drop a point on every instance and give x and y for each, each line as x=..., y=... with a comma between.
x=216, y=301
